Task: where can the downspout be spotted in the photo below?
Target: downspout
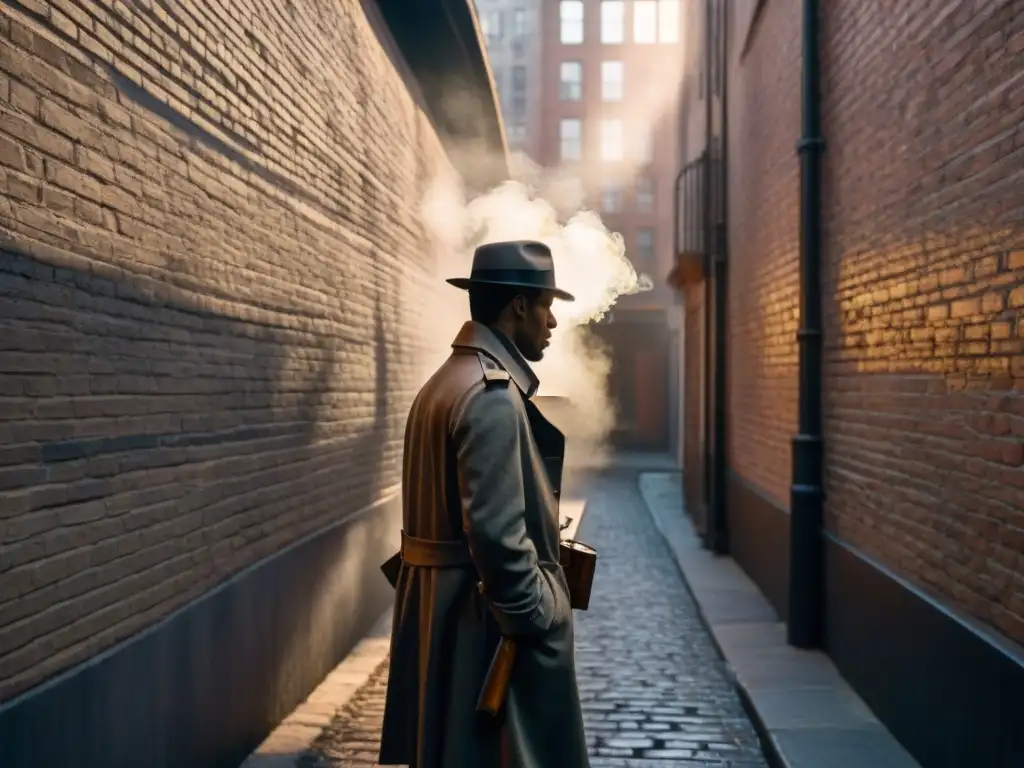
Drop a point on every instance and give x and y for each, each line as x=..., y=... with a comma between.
x=806, y=572
x=709, y=523
x=720, y=538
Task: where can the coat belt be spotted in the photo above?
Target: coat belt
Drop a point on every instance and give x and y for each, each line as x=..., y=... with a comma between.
x=434, y=554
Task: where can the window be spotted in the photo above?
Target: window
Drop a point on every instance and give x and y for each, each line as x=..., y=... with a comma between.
x=645, y=195
x=668, y=21
x=644, y=145
x=571, y=81
x=517, y=107
x=611, y=80
x=644, y=250
x=613, y=21
x=571, y=16
x=611, y=199
x=516, y=134
x=570, y=133
x=518, y=79
x=490, y=25
x=520, y=28
x=645, y=21
x=611, y=140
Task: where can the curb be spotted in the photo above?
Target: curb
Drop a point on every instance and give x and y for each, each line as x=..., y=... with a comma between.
x=769, y=746
x=295, y=735
x=805, y=714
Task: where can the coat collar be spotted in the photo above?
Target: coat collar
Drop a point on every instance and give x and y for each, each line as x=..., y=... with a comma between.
x=480, y=338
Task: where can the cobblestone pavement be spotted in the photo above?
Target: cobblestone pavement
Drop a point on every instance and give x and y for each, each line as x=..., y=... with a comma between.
x=655, y=693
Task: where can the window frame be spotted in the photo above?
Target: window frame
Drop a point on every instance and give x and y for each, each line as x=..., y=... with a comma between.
x=638, y=7
x=606, y=124
x=605, y=81
x=563, y=83
x=562, y=139
x=605, y=17
x=576, y=23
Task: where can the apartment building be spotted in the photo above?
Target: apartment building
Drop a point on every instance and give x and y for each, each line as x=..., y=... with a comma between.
x=610, y=74
x=510, y=31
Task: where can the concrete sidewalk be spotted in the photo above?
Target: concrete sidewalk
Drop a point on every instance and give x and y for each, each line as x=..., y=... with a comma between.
x=807, y=715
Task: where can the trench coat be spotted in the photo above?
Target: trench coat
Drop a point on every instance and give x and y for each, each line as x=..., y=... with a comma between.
x=482, y=470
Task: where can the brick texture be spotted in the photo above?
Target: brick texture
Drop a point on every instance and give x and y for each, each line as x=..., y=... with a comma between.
x=925, y=296
x=764, y=176
x=211, y=262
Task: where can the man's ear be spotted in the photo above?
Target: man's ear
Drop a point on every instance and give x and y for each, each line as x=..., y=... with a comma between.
x=519, y=307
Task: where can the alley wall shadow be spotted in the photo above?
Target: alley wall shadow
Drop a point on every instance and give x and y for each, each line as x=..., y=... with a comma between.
x=229, y=528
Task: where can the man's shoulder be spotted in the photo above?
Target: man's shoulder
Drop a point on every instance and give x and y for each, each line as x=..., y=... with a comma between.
x=462, y=375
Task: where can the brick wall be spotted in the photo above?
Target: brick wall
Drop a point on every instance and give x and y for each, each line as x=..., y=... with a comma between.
x=764, y=124
x=206, y=342
x=925, y=296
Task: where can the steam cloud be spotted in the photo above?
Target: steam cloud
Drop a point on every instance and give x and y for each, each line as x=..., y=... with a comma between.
x=590, y=263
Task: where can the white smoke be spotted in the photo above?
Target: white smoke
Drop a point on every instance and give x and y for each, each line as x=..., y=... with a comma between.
x=590, y=263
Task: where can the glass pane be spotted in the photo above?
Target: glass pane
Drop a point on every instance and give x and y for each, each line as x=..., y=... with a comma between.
x=611, y=140
x=611, y=80
x=645, y=21
x=571, y=15
x=668, y=21
x=613, y=18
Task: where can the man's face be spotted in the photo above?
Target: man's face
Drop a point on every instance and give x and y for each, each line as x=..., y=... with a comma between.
x=534, y=323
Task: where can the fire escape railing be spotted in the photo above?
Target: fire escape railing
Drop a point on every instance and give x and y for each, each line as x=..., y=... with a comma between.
x=690, y=225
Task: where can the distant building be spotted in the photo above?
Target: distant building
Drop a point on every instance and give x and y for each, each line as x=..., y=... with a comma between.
x=610, y=79
x=510, y=30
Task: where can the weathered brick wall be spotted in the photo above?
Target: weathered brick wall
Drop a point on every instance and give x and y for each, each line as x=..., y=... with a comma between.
x=764, y=124
x=210, y=257
x=925, y=295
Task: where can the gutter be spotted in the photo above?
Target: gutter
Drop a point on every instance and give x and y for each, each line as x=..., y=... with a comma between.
x=806, y=567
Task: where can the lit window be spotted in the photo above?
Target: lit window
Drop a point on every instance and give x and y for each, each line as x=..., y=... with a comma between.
x=490, y=25
x=611, y=199
x=645, y=21
x=570, y=133
x=571, y=16
x=645, y=195
x=644, y=250
x=611, y=140
x=668, y=21
x=520, y=27
x=611, y=80
x=571, y=81
x=613, y=21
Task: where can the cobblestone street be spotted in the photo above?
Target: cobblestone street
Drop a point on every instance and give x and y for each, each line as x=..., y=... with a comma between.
x=654, y=690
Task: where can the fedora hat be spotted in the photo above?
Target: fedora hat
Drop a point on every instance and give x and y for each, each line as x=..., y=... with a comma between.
x=524, y=263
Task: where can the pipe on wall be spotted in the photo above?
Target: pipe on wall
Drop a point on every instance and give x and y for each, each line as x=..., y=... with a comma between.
x=707, y=484
x=719, y=462
x=806, y=567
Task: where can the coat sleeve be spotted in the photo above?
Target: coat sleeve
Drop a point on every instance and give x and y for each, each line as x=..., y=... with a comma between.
x=487, y=444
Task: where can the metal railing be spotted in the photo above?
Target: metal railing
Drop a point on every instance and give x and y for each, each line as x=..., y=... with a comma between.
x=691, y=199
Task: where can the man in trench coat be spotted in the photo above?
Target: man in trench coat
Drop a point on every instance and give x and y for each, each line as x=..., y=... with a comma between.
x=480, y=545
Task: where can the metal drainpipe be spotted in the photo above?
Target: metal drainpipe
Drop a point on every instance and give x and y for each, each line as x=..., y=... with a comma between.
x=709, y=522
x=806, y=573
x=720, y=539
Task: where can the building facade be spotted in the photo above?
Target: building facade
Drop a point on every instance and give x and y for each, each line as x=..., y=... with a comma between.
x=850, y=227
x=610, y=74
x=211, y=283
x=510, y=30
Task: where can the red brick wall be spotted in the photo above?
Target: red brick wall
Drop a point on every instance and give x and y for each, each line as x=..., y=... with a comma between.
x=764, y=124
x=925, y=338
x=205, y=348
